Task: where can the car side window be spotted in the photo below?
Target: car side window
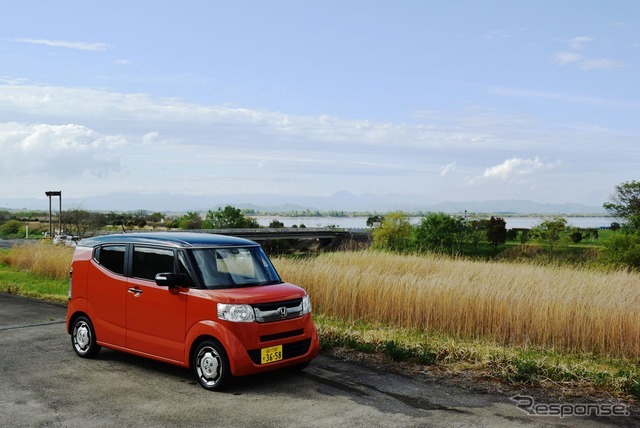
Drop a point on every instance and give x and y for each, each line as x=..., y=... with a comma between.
x=149, y=261
x=111, y=257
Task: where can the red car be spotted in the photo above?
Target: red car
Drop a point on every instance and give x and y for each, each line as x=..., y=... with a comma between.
x=212, y=303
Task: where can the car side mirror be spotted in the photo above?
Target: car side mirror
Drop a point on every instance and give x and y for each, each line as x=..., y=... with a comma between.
x=167, y=279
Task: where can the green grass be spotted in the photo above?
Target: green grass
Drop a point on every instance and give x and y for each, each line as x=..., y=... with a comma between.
x=512, y=365
x=25, y=283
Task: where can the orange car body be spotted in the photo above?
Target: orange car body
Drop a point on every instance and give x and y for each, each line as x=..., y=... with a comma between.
x=138, y=316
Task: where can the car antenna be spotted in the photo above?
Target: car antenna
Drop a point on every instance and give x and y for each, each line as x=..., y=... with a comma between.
x=123, y=229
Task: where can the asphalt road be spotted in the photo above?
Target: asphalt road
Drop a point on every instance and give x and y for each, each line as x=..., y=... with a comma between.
x=8, y=243
x=43, y=383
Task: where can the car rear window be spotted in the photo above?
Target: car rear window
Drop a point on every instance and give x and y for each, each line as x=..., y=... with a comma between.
x=111, y=257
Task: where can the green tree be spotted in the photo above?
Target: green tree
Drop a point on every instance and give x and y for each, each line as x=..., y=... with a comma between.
x=524, y=235
x=625, y=203
x=441, y=233
x=276, y=224
x=576, y=235
x=374, y=219
x=190, y=221
x=496, y=232
x=82, y=223
x=476, y=232
x=229, y=218
x=394, y=233
x=155, y=217
x=4, y=216
x=551, y=232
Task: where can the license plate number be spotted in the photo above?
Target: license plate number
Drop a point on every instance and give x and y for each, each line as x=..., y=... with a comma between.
x=271, y=355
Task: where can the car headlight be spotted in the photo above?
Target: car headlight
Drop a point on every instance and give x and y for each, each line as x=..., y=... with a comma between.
x=306, y=305
x=236, y=313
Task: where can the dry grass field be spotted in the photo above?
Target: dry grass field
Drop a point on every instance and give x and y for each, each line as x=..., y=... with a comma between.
x=41, y=258
x=564, y=309
x=557, y=308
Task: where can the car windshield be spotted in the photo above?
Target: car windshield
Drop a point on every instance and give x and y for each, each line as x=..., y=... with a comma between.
x=234, y=267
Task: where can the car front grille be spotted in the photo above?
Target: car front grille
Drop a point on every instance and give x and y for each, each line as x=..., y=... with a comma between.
x=283, y=335
x=278, y=311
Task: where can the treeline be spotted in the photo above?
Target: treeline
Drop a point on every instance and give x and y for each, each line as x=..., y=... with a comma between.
x=457, y=235
x=81, y=223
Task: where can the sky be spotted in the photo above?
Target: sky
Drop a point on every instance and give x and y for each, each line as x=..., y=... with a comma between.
x=445, y=100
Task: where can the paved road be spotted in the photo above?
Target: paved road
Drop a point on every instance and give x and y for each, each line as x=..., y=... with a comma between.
x=8, y=243
x=43, y=383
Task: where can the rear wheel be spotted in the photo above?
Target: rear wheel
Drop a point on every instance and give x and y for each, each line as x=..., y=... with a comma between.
x=211, y=365
x=83, y=338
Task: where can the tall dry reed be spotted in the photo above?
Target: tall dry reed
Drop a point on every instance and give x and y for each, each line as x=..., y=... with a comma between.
x=518, y=304
x=42, y=258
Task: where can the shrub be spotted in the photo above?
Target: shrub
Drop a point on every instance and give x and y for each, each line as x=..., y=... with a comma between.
x=11, y=227
x=623, y=250
x=394, y=233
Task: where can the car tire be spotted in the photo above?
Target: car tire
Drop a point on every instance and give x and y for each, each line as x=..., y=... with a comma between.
x=83, y=338
x=211, y=365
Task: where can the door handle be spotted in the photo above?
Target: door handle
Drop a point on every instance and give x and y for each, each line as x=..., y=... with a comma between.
x=135, y=291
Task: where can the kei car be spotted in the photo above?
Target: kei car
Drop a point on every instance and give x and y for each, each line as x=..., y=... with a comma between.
x=211, y=303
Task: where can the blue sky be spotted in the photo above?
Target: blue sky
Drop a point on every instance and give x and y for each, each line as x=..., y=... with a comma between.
x=455, y=100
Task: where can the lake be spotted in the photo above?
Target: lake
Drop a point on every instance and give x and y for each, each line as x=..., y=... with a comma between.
x=361, y=222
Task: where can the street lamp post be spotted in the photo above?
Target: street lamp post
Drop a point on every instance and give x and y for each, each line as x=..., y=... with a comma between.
x=57, y=193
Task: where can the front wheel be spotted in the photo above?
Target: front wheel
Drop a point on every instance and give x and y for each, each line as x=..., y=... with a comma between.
x=83, y=338
x=211, y=365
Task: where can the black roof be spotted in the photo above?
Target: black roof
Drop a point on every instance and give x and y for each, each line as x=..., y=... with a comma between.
x=174, y=239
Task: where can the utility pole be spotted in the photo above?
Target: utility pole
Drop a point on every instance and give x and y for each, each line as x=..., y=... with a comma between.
x=57, y=193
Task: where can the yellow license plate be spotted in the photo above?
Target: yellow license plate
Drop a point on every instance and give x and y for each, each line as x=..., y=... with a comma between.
x=271, y=355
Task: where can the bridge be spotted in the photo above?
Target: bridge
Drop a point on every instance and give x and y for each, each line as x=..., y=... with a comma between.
x=310, y=238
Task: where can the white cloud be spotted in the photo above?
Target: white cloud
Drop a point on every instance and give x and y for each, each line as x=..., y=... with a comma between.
x=512, y=170
x=621, y=24
x=564, y=58
x=136, y=141
x=56, y=150
x=150, y=137
x=579, y=42
x=585, y=63
x=513, y=167
x=600, y=63
x=83, y=46
x=206, y=124
x=447, y=168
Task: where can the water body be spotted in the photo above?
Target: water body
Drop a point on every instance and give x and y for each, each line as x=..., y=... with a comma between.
x=361, y=222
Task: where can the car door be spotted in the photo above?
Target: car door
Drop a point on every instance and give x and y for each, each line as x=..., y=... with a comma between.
x=155, y=315
x=106, y=294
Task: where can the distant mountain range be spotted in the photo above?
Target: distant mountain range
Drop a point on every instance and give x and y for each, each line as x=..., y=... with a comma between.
x=341, y=201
